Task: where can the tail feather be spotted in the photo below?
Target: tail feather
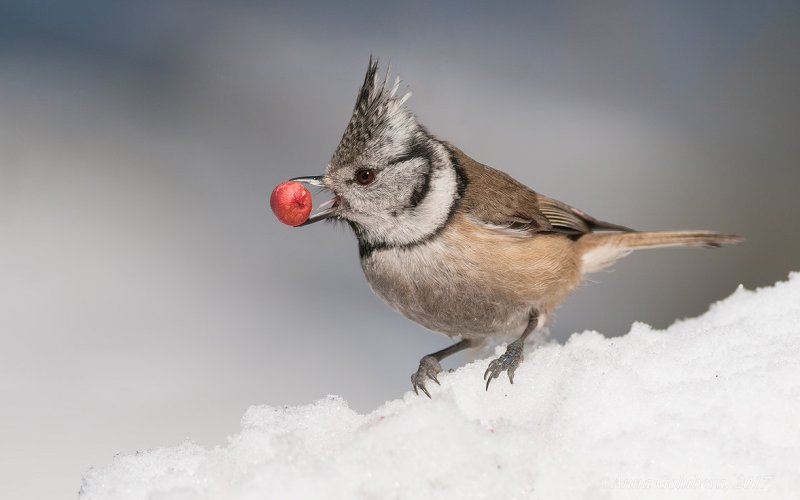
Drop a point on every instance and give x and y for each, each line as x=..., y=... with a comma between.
x=600, y=250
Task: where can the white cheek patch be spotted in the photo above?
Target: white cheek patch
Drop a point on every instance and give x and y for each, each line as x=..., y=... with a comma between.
x=415, y=224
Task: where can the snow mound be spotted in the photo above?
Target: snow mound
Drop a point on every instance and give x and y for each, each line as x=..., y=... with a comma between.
x=705, y=409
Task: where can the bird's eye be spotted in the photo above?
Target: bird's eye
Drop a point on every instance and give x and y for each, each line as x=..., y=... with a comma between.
x=365, y=176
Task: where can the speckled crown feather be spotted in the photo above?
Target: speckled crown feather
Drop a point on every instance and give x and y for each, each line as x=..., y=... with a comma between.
x=380, y=122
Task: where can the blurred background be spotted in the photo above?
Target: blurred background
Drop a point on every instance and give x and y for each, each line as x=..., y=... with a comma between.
x=148, y=295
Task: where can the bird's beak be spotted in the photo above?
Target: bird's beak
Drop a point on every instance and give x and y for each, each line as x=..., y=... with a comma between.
x=324, y=211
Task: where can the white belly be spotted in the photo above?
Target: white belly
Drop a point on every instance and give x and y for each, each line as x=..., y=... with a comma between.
x=443, y=290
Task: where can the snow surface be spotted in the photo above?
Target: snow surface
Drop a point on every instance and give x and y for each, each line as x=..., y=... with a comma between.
x=705, y=409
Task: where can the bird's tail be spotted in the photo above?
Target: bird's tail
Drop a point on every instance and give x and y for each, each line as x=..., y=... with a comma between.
x=600, y=250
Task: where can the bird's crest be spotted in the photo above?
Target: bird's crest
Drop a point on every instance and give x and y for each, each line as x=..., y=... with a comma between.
x=380, y=122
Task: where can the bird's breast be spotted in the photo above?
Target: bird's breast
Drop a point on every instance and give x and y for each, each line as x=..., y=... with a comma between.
x=471, y=281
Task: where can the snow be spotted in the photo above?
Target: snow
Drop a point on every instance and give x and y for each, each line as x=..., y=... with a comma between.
x=707, y=408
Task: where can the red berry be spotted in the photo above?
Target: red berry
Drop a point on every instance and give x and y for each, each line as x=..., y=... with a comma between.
x=291, y=203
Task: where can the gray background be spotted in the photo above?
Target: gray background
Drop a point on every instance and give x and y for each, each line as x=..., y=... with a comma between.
x=146, y=292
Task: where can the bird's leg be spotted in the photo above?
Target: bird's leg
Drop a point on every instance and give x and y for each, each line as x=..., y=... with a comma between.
x=429, y=365
x=511, y=359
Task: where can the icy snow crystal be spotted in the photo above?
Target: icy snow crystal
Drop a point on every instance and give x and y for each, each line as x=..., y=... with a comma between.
x=709, y=408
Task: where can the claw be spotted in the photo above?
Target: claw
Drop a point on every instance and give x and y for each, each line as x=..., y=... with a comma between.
x=425, y=391
x=419, y=385
x=492, y=372
x=508, y=362
x=511, y=373
x=428, y=369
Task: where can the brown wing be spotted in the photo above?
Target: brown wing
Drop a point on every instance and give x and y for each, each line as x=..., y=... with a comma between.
x=570, y=220
x=496, y=198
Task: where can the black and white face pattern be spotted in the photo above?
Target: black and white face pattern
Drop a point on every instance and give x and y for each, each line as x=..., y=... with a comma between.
x=396, y=184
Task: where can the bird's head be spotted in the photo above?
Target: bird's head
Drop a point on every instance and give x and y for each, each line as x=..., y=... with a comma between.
x=393, y=182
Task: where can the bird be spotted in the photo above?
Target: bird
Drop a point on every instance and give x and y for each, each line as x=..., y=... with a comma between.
x=457, y=246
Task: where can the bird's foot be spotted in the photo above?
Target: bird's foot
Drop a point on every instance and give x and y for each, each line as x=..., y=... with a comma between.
x=508, y=362
x=429, y=367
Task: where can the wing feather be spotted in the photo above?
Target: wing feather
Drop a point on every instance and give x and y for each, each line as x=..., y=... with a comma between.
x=497, y=200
